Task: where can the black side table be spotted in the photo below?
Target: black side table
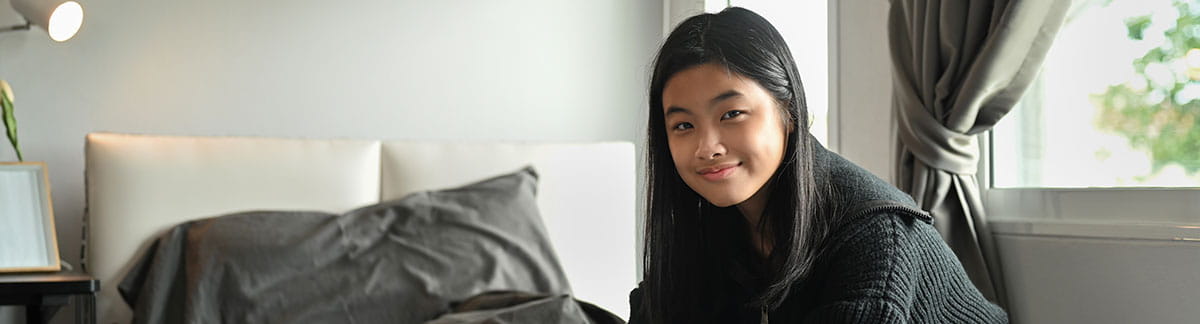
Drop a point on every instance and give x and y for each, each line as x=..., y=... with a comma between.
x=43, y=294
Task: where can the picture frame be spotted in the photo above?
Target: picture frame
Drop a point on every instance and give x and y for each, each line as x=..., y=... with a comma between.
x=28, y=242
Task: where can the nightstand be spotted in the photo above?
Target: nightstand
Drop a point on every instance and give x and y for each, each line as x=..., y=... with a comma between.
x=43, y=293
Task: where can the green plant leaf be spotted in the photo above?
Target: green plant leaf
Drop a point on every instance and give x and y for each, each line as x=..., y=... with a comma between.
x=1137, y=26
x=10, y=122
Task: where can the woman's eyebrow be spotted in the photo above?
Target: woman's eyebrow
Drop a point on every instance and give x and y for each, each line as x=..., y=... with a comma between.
x=714, y=101
x=723, y=96
x=675, y=109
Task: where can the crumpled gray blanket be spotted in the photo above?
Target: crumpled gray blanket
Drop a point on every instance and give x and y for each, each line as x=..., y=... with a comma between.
x=402, y=261
x=515, y=307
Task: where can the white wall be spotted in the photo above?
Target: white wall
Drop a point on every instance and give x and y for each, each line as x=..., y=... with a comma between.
x=1060, y=271
x=470, y=70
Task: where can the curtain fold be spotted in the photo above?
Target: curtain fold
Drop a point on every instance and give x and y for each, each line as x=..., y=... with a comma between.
x=958, y=67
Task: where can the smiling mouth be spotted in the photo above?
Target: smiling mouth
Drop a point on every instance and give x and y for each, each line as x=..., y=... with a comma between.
x=718, y=172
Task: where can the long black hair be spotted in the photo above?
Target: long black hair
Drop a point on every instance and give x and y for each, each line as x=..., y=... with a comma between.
x=679, y=266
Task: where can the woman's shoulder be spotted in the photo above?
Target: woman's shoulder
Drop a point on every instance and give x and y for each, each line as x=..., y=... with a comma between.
x=884, y=249
x=855, y=195
x=893, y=229
x=849, y=188
x=886, y=227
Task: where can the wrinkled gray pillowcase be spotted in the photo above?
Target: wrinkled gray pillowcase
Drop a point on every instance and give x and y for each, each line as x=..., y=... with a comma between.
x=400, y=261
x=449, y=245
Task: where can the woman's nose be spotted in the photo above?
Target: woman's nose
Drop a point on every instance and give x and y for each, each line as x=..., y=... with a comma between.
x=710, y=146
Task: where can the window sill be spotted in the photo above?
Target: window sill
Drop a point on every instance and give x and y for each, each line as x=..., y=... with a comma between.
x=1107, y=229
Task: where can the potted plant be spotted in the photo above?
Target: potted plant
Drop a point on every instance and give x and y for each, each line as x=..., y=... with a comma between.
x=10, y=121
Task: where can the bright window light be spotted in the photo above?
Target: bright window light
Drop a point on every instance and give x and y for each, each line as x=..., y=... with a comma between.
x=1116, y=104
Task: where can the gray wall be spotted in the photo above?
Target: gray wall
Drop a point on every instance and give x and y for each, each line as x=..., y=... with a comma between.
x=864, y=76
x=464, y=70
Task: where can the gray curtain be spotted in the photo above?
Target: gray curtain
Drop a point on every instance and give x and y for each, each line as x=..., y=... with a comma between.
x=959, y=66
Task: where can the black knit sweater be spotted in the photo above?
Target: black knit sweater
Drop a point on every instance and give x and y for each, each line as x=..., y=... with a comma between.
x=885, y=263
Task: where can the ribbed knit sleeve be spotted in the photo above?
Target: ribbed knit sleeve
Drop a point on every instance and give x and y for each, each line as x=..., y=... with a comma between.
x=893, y=269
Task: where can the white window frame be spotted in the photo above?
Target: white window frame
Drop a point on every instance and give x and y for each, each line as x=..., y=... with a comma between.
x=1110, y=205
x=1123, y=205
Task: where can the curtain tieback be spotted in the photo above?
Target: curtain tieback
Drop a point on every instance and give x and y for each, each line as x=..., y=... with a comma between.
x=929, y=141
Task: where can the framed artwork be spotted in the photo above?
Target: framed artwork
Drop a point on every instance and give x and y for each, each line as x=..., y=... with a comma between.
x=27, y=238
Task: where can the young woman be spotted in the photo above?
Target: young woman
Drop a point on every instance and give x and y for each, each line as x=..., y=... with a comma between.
x=750, y=220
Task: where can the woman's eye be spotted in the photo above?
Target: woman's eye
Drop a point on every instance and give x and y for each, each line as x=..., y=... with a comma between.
x=731, y=114
x=682, y=126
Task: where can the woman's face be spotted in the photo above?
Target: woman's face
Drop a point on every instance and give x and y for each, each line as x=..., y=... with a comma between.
x=725, y=132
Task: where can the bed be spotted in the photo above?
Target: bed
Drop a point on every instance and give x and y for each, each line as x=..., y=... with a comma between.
x=140, y=186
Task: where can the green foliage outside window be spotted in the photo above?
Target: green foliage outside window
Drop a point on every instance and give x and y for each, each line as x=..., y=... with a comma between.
x=1158, y=111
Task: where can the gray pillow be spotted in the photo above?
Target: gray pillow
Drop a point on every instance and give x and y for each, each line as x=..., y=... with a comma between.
x=400, y=261
x=456, y=243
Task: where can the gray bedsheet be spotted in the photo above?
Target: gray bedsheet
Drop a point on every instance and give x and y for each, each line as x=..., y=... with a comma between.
x=402, y=261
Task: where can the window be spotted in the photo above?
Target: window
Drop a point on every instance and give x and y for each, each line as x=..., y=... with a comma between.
x=1116, y=104
x=1109, y=130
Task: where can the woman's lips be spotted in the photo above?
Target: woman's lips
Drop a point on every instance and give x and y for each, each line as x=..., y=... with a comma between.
x=718, y=172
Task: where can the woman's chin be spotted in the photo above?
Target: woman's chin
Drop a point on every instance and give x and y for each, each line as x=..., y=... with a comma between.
x=723, y=201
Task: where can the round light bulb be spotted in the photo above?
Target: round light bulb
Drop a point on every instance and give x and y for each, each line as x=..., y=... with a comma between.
x=65, y=21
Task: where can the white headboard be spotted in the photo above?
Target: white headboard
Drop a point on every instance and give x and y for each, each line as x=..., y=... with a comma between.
x=140, y=185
